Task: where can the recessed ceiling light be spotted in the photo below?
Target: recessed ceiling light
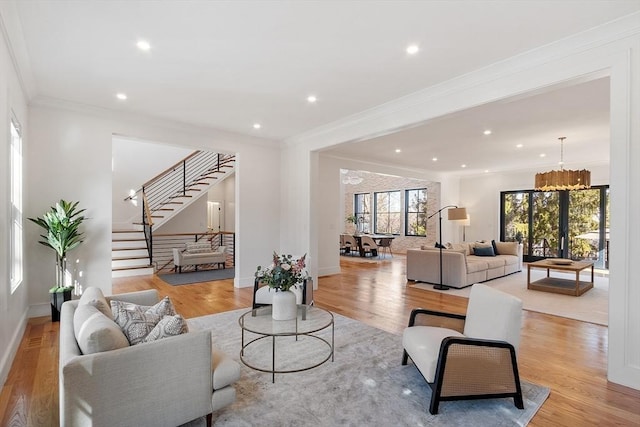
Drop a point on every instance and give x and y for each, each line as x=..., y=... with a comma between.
x=463, y=166
x=487, y=132
x=398, y=150
x=257, y=125
x=486, y=171
x=519, y=146
x=121, y=96
x=412, y=49
x=435, y=159
x=311, y=99
x=543, y=155
x=143, y=45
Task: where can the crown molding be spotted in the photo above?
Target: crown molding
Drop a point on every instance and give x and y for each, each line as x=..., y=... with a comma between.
x=12, y=34
x=154, y=121
x=414, y=109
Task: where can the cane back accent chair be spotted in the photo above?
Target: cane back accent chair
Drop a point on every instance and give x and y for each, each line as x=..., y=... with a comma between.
x=472, y=356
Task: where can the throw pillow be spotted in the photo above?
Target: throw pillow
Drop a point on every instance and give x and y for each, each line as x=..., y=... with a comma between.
x=96, y=332
x=137, y=321
x=508, y=248
x=94, y=296
x=198, y=248
x=168, y=326
x=495, y=248
x=438, y=245
x=483, y=251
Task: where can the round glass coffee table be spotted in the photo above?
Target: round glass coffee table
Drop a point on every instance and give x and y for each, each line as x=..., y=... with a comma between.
x=300, y=337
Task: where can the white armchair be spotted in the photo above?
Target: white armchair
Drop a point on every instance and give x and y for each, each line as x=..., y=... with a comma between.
x=472, y=356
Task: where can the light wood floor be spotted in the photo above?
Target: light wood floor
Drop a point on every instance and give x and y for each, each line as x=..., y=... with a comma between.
x=568, y=356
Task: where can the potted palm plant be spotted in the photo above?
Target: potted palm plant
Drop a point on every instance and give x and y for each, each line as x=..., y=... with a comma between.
x=61, y=223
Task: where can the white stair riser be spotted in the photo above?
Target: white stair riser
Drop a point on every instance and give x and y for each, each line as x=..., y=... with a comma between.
x=136, y=272
x=115, y=245
x=115, y=253
x=129, y=263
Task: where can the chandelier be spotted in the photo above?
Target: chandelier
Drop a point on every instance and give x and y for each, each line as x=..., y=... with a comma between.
x=562, y=179
x=351, y=177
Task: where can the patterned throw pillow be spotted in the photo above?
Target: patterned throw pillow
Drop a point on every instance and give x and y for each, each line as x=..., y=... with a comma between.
x=198, y=248
x=169, y=326
x=137, y=321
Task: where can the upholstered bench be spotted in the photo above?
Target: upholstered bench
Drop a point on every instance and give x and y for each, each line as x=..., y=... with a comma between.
x=198, y=253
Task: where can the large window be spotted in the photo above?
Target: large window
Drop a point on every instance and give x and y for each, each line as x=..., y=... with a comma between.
x=16, y=206
x=566, y=224
x=363, y=212
x=416, y=212
x=388, y=217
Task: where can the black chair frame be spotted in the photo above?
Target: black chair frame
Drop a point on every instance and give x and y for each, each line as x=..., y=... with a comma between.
x=436, y=386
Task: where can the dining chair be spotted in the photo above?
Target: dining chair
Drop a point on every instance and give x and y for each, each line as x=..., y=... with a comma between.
x=385, y=245
x=350, y=245
x=369, y=246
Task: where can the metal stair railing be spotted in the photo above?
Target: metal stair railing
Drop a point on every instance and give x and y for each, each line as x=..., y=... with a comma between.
x=163, y=245
x=189, y=173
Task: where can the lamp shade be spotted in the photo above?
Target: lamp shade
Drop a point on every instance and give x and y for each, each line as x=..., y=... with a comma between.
x=457, y=214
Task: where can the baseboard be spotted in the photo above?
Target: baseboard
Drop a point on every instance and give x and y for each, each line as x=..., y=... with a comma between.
x=328, y=271
x=12, y=349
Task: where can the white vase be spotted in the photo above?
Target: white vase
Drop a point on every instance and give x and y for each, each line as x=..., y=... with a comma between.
x=283, y=306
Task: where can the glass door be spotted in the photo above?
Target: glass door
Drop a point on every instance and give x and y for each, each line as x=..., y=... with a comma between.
x=563, y=224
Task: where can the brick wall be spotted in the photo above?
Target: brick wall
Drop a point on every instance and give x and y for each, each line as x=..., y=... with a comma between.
x=373, y=182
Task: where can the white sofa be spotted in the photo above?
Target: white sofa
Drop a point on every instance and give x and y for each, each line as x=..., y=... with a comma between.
x=167, y=382
x=460, y=266
x=198, y=253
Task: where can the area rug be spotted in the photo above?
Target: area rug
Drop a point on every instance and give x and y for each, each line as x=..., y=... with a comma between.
x=366, y=385
x=176, y=279
x=592, y=306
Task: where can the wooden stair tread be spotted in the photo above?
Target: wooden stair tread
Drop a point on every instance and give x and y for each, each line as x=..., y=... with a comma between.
x=129, y=249
x=125, y=258
x=132, y=267
x=128, y=240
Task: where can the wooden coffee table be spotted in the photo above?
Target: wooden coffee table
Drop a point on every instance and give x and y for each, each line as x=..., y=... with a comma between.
x=575, y=287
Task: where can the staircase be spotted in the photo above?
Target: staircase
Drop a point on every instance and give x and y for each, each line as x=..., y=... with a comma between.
x=129, y=254
x=163, y=197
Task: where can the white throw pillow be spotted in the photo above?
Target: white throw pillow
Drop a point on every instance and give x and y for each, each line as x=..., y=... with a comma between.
x=96, y=332
x=137, y=321
x=94, y=296
x=168, y=326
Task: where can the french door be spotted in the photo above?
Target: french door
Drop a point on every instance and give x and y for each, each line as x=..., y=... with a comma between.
x=564, y=224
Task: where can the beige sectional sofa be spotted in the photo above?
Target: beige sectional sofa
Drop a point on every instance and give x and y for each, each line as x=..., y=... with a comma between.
x=461, y=267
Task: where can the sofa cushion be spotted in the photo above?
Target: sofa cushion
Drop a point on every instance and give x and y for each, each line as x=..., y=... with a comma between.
x=198, y=248
x=466, y=247
x=495, y=262
x=137, y=321
x=96, y=332
x=508, y=259
x=168, y=326
x=475, y=264
x=94, y=296
x=423, y=345
x=507, y=248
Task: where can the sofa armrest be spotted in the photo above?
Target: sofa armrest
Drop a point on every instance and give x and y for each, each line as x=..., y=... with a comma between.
x=177, y=257
x=165, y=382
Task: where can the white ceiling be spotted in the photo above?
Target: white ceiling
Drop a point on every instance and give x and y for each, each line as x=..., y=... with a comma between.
x=229, y=64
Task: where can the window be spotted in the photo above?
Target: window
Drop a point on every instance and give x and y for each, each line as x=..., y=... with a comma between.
x=16, y=206
x=416, y=212
x=388, y=217
x=362, y=210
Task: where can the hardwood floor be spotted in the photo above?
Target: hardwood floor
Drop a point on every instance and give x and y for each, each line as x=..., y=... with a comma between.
x=568, y=356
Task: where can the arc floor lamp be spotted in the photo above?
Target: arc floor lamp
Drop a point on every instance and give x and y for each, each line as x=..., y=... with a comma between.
x=453, y=214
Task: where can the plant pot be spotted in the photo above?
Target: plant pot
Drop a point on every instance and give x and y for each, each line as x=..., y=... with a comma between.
x=283, y=306
x=57, y=298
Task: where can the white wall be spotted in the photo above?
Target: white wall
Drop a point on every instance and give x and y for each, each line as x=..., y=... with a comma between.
x=134, y=163
x=191, y=219
x=480, y=194
x=71, y=158
x=13, y=306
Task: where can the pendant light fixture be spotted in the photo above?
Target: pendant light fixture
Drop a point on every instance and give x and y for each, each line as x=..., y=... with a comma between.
x=557, y=180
